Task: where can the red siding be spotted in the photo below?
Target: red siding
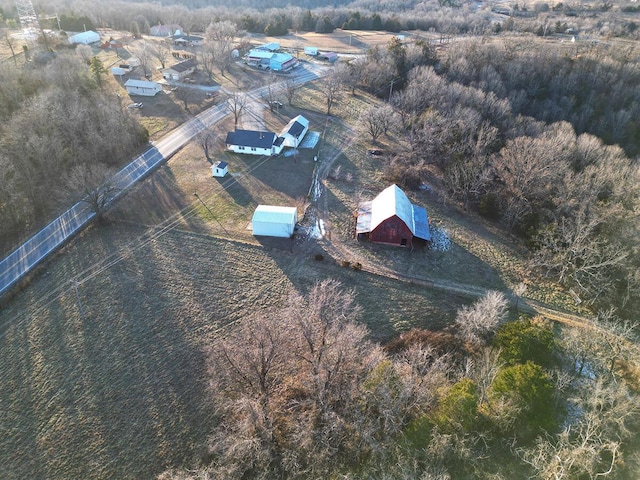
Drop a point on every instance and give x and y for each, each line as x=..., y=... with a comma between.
x=393, y=231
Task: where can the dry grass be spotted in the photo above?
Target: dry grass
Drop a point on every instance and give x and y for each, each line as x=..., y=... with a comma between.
x=111, y=383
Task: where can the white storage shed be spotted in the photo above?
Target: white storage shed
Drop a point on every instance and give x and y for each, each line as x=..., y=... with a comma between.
x=219, y=169
x=142, y=87
x=274, y=221
x=85, y=38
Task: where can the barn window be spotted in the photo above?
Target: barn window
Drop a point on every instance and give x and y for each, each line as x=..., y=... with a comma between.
x=403, y=242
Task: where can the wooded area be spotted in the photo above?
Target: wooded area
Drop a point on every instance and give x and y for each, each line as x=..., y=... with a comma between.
x=55, y=120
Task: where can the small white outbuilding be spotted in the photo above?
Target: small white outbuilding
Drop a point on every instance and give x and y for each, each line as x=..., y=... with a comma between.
x=219, y=169
x=274, y=221
x=85, y=38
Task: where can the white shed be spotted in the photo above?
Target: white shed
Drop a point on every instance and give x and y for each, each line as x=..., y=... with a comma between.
x=85, y=38
x=118, y=71
x=219, y=169
x=311, y=51
x=142, y=87
x=274, y=221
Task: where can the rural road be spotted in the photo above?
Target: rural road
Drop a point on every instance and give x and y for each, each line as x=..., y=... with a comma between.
x=22, y=260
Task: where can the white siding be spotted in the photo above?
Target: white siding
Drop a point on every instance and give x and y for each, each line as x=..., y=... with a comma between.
x=274, y=221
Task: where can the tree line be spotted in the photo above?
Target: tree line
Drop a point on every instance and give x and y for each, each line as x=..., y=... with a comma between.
x=302, y=392
x=570, y=194
x=447, y=17
x=57, y=124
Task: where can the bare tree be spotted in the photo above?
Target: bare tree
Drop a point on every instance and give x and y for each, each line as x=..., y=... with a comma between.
x=376, y=121
x=142, y=51
x=290, y=89
x=160, y=50
x=186, y=95
x=9, y=42
x=205, y=138
x=236, y=104
x=591, y=446
x=85, y=52
x=478, y=322
x=220, y=36
x=94, y=182
x=331, y=86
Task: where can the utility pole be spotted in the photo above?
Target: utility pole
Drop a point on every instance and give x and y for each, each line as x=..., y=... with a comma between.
x=209, y=210
x=391, y=88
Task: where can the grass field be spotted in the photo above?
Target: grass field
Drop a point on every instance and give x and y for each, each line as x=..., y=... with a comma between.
x=107, y=379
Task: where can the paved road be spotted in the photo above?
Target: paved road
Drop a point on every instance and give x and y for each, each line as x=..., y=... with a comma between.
x=17, y=264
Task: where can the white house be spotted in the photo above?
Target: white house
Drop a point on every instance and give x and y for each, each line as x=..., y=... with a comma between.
x=294, y=131
x=142, y=87
x=179, y=70
x=219, y=169
x=252, y=142
x=85, y=38
x=274, y=221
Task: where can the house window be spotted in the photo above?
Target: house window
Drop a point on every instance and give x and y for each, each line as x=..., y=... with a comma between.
x=240, y=148
x=253, y=149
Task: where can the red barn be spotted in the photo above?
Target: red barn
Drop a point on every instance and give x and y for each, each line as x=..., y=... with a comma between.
x=391, y=218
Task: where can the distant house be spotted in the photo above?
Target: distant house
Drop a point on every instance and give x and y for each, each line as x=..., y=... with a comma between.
x=293, y=133
x=270, y=47
x=164, y=30
x=187, y=40
x=266, y=59
x=142, y=87
x=391, y=218
x=180, y=70
x=282, y=62
x=219, y=169
x=118, y=71
x=85, y=38
x=274, y=221
x=252, y=142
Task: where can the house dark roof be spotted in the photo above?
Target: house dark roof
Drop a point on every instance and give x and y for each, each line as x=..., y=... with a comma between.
x=251, y=138
x=183, y=66
x=278, y=141
x=220, y=164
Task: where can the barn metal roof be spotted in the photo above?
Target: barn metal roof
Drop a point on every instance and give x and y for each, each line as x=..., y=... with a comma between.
x=393, y=201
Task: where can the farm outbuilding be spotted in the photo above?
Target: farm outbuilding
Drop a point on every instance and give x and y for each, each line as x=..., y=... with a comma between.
x=391, y=218
x=274, y=221
x=85, y=38
x=311, y=51
x=142, y=87
x=294, y=131
x=331, y=57
x=219, y=169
